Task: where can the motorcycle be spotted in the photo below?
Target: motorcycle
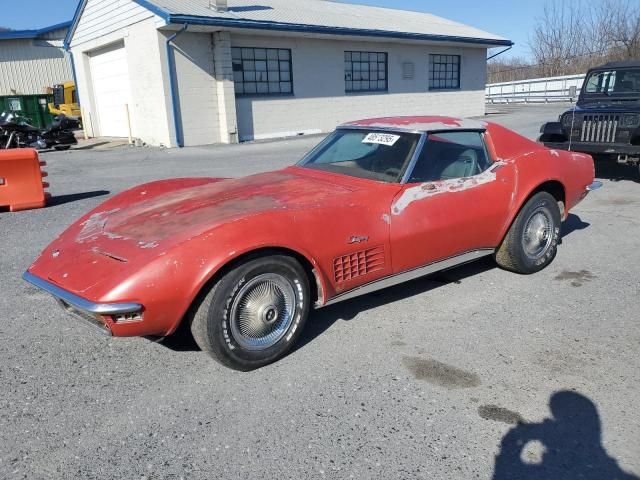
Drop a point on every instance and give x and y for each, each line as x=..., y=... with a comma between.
x=16, y=132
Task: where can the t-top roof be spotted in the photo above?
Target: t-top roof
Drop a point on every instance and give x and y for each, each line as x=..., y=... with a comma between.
x=419, y=124
x=318, y=16
x=625, y=64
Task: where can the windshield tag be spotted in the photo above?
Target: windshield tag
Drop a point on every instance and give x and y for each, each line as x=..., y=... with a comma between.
x=382, y=139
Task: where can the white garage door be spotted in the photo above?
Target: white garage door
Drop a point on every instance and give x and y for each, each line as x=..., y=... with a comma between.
x=111, y=90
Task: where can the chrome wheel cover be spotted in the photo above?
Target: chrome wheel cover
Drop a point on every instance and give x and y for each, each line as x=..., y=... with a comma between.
x=262, y=311
x=538, y=234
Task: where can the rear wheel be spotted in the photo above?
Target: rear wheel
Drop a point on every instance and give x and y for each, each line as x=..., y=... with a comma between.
x=254, y=313
x=532, y=241
x=61, y=148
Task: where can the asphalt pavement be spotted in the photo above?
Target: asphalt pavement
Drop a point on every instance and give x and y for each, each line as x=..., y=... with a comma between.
x=475, y=373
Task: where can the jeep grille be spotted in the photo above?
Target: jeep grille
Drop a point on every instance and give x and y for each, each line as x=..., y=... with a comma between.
x=599, y=128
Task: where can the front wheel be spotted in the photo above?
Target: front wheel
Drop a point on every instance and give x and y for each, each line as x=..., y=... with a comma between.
x=253, y=314
x=532, y=241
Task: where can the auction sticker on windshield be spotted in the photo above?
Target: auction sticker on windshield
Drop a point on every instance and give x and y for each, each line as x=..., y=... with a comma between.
x=382, y=139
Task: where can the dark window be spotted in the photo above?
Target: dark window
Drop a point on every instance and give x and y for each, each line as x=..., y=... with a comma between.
x=450, y=155
x=262, y=71
x=444, y=72
x=365, y=72
x=626, y=82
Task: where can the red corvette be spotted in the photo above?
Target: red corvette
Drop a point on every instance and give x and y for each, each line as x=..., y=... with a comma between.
x=378, y=202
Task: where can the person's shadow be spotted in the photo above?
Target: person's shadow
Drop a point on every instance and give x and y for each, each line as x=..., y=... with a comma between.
x=569, y=441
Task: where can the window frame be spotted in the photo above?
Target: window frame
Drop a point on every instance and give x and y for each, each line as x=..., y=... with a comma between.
x=369, y=90
x=244, y=81
x=432, y=72
x=422, y=144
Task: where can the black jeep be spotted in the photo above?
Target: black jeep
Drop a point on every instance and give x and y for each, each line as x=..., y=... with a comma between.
x=606, y=119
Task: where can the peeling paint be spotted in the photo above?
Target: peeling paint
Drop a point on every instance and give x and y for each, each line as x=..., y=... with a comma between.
x=95, y=224
x=147, y=244
x=426, y=190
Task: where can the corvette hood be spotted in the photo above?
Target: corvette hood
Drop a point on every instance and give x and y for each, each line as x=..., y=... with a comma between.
x=143, y=223
x=190, y=211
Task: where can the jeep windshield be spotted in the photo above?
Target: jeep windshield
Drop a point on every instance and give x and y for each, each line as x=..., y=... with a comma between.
x=372, y=154
x=620, y=83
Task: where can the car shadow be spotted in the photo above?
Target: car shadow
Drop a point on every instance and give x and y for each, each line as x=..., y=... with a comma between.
x=321, y=320
x=568, y=445
x=57, y=200
x=572, y=224
x=616, y=172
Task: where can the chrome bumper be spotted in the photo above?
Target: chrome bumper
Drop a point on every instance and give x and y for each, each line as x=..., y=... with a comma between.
x=594, y=186
x=80, y=307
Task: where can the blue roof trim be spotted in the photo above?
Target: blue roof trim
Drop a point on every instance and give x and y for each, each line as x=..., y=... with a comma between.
x=29, y=34
x=74, y=23
x=83, y=3
x=292, y=27
x=154, y=9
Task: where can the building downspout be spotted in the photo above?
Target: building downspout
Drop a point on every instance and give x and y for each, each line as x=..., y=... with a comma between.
x=67, y=48
x=500, y=53
x=173, y=87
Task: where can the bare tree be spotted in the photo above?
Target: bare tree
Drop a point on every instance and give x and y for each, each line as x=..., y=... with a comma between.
x=619, y=23
x=571, y=36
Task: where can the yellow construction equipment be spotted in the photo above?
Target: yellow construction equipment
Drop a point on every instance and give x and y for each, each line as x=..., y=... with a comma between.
x=65, y=100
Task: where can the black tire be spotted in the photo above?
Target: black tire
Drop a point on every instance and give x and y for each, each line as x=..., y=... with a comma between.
x=532, y=241
x=61, y=148
x=253, y=314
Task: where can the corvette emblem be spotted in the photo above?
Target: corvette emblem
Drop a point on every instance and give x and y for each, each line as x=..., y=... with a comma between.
x=55, y=253
x=358, y=240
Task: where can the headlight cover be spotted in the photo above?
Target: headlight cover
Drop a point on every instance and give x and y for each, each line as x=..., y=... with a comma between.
x=631, y=120
x=567, y=119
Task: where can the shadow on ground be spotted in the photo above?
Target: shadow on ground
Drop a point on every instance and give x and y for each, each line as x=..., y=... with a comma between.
x=568, y=445
x=617, y=172
x=321, y=320
x=573, y=223
x=74, y=197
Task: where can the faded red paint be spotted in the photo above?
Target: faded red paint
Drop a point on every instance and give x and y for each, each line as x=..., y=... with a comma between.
x=158, y=244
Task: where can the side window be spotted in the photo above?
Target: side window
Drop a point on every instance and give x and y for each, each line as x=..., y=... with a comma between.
x=450, y=155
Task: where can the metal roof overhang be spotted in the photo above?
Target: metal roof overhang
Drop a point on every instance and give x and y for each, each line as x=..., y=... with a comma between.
x=209, y=24
x=177, y=21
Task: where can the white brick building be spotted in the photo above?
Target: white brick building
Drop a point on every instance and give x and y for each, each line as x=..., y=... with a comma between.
x=194, y=72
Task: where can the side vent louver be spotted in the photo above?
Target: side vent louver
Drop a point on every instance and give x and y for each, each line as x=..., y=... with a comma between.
x=358, y=264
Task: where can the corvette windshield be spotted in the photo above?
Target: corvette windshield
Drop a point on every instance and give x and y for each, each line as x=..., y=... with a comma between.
x=624, y=82
x=372, y=154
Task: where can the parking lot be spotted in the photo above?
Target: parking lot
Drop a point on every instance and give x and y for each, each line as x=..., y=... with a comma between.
x=424, y=380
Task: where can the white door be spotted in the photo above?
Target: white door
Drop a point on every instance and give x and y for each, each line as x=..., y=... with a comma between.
x=111, y=90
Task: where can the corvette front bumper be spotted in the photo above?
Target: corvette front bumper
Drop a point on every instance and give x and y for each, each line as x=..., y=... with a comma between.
x=98, y=315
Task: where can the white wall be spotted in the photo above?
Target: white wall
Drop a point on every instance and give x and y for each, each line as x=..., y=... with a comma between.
x=320, y=102
x=197, y=88
x=145, y=49
x=28, y=67
x=102, y=17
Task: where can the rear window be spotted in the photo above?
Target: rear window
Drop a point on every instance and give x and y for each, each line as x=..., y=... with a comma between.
x=371, y=154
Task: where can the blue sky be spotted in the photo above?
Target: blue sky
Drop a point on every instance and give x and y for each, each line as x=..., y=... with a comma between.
x=511, y=19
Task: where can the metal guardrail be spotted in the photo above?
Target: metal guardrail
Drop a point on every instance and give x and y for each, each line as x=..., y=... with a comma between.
x=537, y=90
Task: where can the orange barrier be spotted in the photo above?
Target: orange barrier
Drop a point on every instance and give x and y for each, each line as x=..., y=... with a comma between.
x=21, y=185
